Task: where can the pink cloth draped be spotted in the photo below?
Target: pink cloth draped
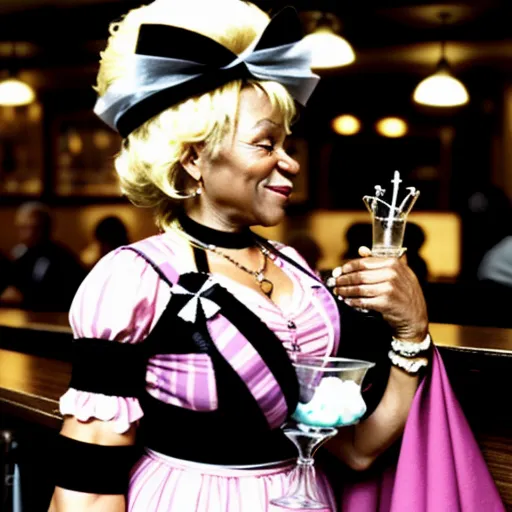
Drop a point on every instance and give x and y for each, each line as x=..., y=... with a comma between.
x=440, y=467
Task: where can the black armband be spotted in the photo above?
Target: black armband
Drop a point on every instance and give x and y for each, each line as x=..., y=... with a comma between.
x=92, y=468
x=108, y=367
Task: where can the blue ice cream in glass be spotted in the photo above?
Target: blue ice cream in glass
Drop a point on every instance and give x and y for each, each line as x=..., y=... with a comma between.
x=329, y=398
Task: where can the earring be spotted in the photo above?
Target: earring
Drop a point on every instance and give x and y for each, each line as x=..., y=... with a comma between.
x=197, y=192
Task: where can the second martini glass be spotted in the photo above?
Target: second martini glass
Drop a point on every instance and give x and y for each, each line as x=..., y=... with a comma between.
x=330, y=398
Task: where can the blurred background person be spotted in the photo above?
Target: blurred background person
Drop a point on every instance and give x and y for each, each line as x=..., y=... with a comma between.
x=485, y=223
x=109, y=234
x=496, y=265
x=44, y=273
x=414, y=239
x=357, y=235
x=307, y=247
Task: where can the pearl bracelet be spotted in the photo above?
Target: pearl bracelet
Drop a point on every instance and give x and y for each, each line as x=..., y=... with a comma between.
x=410, y=348
x=411, y=366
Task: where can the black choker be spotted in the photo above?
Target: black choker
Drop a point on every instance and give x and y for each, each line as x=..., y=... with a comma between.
x=209, y=236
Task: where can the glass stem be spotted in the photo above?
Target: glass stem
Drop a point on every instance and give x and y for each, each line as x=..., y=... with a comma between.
x=306, y=442
x=304, y=481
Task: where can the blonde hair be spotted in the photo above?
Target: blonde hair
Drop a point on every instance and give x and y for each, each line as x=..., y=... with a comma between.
x=148, y=164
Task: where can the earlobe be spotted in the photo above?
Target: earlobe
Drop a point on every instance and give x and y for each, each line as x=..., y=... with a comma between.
x=191, y=161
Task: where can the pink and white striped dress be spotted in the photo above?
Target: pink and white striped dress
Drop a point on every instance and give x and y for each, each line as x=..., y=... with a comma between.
x=122, y=300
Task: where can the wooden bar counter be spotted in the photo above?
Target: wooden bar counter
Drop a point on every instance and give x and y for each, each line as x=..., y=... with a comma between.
x=35, y=371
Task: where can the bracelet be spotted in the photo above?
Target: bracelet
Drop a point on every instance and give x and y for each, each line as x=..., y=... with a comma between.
x=411, y=366
x=410, y=348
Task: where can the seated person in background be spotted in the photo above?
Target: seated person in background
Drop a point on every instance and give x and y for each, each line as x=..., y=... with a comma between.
x=109, y=234
x=496, y=265
x=307, y=247
x=357, y=235
x=414, y=239
x=45, y=274
x=190, y=334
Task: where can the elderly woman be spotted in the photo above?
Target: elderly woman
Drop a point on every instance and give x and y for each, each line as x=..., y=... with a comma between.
x=187, y=337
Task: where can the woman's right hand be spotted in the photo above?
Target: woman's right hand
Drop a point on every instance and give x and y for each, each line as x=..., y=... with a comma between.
x=388, y=286
x=96, y=432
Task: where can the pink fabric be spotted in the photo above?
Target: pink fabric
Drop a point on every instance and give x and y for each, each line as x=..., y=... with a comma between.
x=184, y=380
x=120, y=300
x=159, y=486
x=440, y=467
x=322, y=300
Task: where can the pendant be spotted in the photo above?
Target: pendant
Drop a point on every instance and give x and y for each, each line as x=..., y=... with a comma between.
x=267, y=287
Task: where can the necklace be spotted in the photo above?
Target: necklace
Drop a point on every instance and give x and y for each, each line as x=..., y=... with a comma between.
x=266, y=286
x=204, y=237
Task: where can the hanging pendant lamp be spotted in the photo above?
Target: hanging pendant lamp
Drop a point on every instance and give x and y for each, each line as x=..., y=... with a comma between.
x=13, y=91
x=328, y=48
x=441, y=89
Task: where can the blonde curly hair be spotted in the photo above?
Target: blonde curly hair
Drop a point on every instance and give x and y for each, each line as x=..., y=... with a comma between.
x=148, y=164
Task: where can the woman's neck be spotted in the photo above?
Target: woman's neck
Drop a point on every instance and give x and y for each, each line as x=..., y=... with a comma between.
x=211, y=218
x=217, y=234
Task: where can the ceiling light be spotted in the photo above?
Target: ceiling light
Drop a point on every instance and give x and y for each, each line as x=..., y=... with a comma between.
x=346, y=124
x=393, y=127
x=328, y=48
x=14, y=92
x=441, y=89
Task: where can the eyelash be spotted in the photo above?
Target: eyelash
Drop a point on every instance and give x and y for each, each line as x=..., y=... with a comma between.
x=267, y=147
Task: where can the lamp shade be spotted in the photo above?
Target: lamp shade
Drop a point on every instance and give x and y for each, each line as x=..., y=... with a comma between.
x=14, y=92
x=328, y=50
x=441, y=89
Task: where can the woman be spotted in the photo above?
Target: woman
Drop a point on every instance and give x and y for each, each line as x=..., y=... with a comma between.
x=187, y=335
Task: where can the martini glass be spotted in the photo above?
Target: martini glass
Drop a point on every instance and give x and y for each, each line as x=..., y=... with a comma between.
x=389, y=219
x=329, y=398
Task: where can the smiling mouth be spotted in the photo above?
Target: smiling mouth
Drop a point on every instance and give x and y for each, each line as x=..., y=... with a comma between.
x=284, y=191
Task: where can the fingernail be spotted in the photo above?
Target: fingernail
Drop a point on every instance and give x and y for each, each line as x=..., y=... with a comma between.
x=284, y=165
x=331, y=282
x=337, y=272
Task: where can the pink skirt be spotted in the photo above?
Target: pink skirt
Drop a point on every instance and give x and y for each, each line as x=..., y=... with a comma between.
x=163, y=484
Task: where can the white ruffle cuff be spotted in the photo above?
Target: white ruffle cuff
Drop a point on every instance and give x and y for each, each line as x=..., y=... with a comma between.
x=83, y=405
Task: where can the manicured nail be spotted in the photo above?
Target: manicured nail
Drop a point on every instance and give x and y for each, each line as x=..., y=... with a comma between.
x=337, y=272
x=331, y=282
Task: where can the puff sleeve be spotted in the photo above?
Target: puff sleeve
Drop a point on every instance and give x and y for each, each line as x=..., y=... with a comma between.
x=119, y=302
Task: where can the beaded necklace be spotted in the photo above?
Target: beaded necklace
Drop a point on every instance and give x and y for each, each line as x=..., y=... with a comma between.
x=205, y=237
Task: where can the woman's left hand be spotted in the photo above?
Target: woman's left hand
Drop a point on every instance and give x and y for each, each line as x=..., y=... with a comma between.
x=388, y=286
